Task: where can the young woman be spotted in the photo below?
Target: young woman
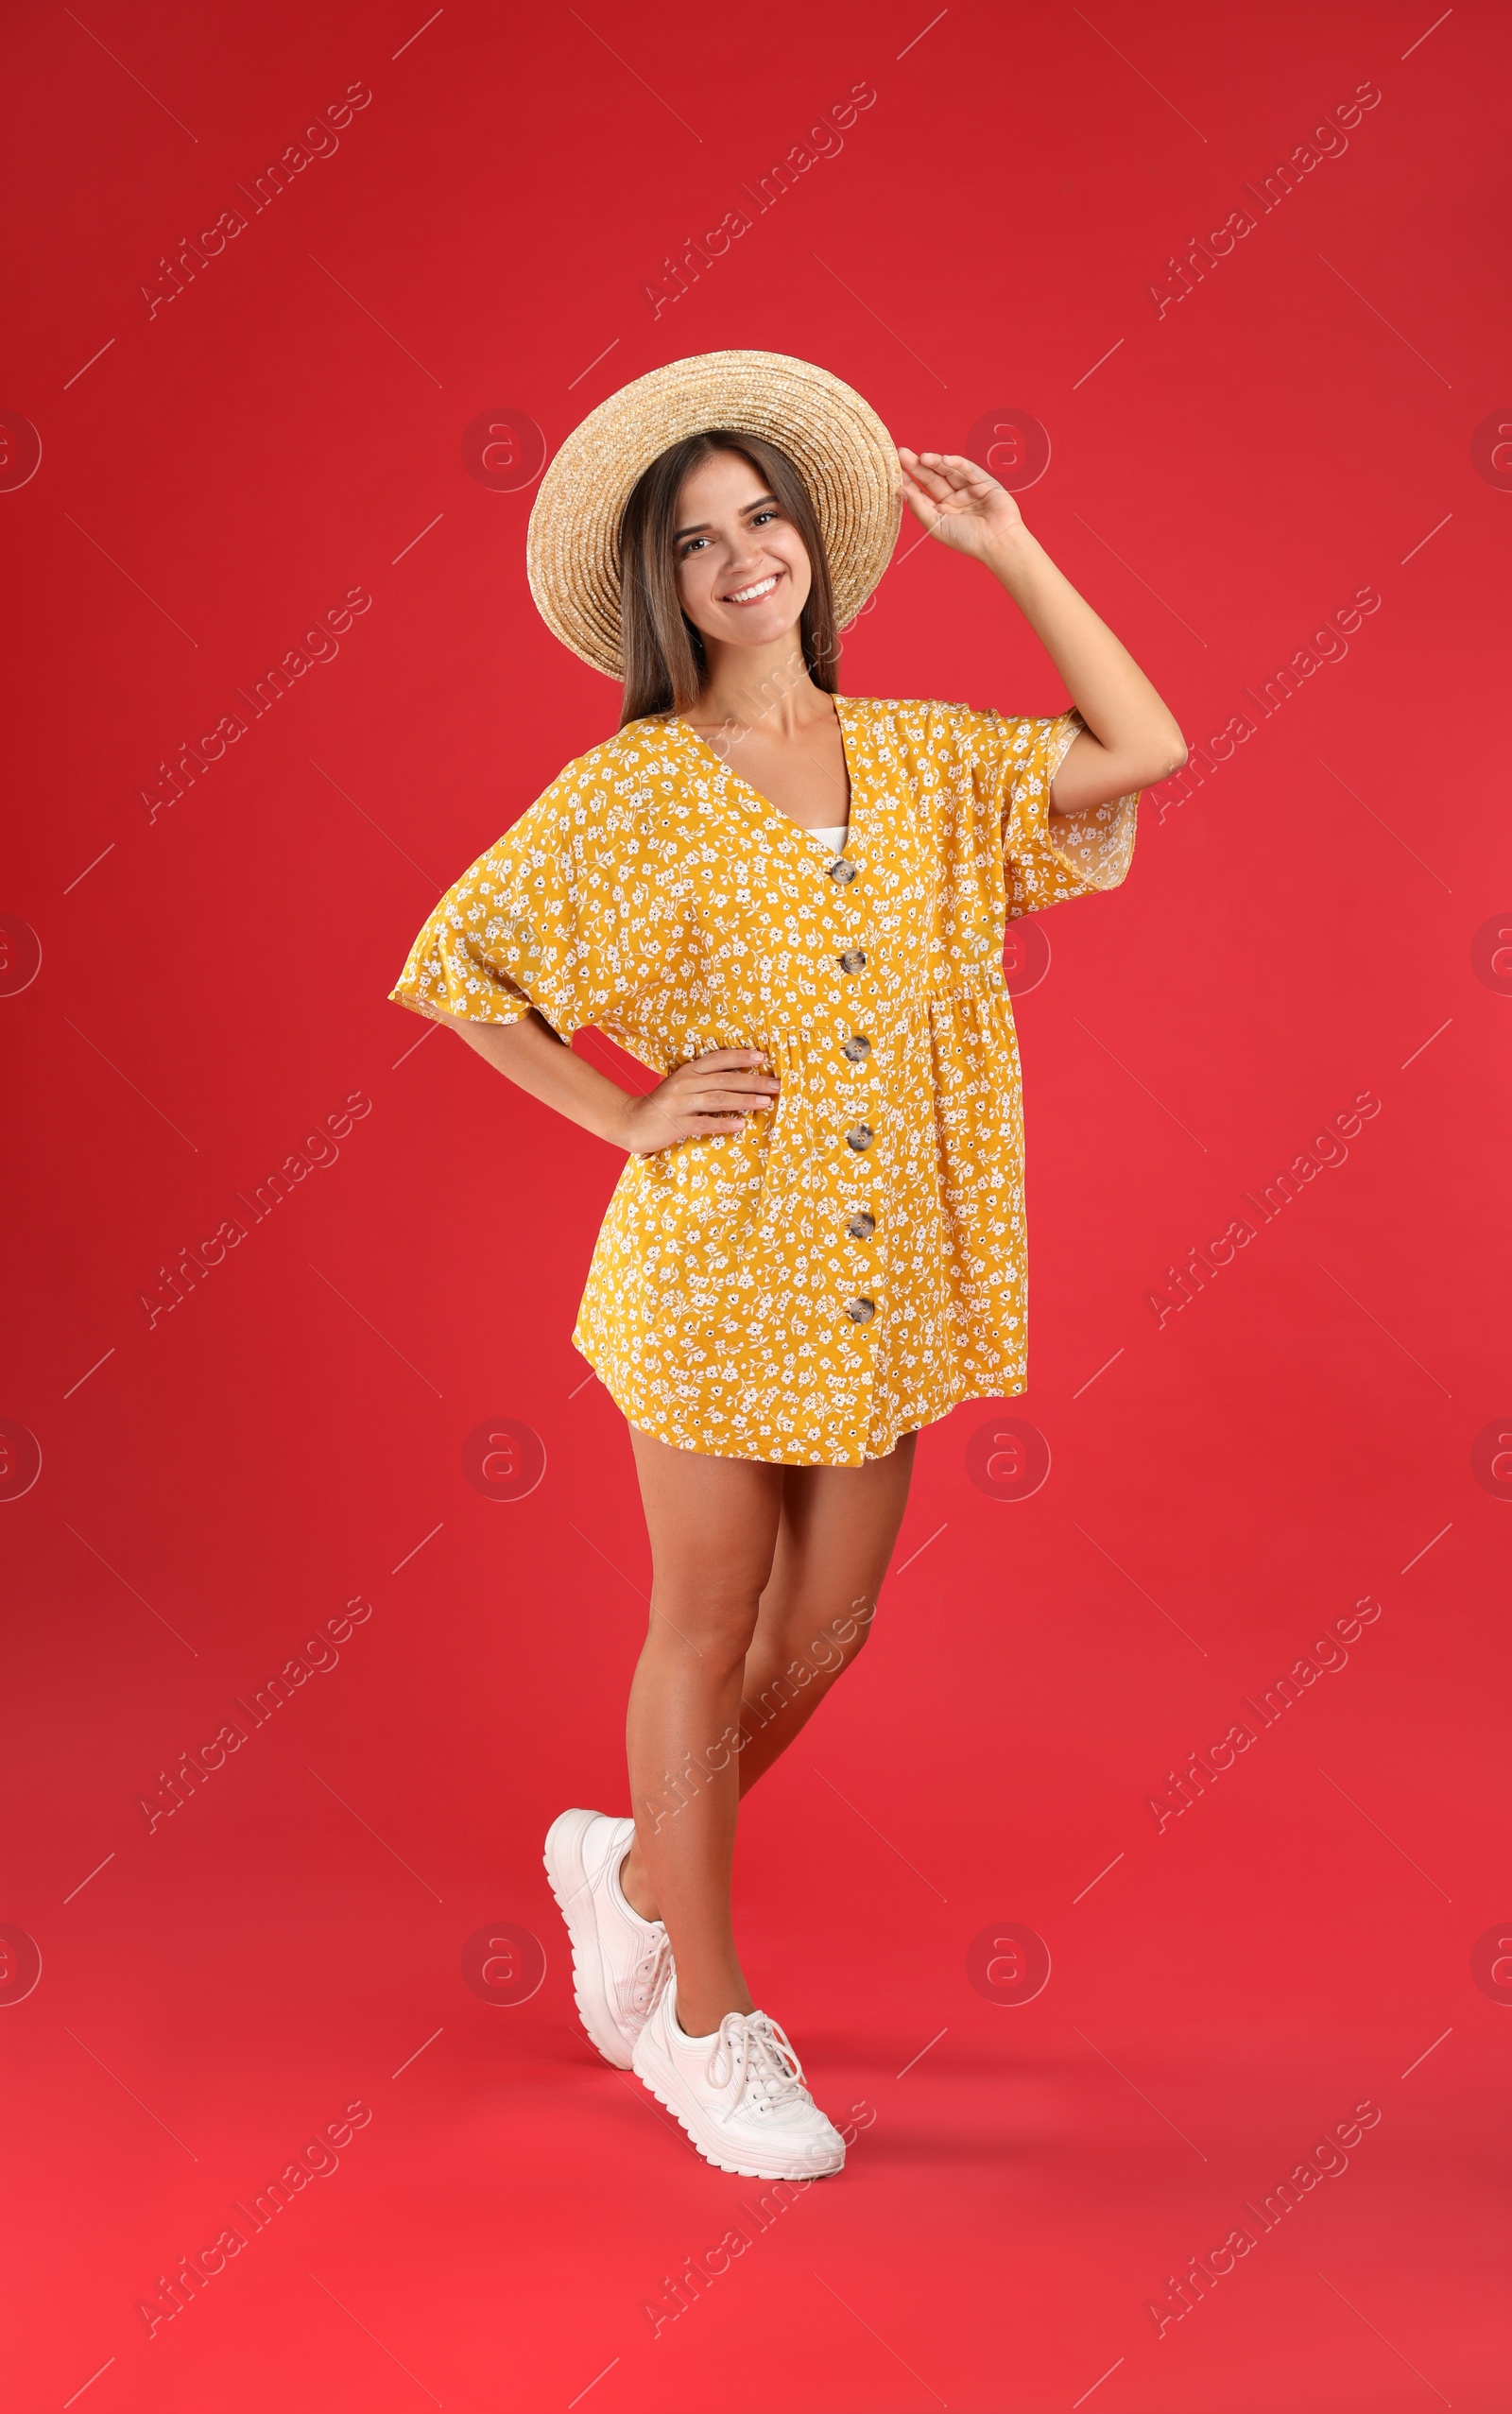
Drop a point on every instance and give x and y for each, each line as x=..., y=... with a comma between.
x=790, y=904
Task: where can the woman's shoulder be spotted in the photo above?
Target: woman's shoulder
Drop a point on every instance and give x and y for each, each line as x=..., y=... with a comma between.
x=929, y=724
x=602, y=785
x=648, y=742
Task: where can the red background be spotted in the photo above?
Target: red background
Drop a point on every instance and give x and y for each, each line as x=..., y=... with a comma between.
x=216, y=1485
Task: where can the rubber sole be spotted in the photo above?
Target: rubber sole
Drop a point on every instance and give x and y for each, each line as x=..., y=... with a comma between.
x=740, y=2170
x=574, y=1901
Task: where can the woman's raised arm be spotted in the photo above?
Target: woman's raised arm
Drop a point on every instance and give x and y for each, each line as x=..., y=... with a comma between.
x=1131, y=739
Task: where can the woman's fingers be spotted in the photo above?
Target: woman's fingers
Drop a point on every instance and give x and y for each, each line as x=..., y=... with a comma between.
x=925, y=481
x=719, y=1058
x=952, y=473
x=724, y=1102
x=756, y=1083
x=761, y=1085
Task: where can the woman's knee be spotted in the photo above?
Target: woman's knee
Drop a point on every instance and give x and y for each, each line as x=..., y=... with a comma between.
x=716, y=1621
x=809, y=1647
x=833, y=1644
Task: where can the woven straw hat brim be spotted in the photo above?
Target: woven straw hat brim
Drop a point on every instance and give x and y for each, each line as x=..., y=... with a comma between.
x=848, y=460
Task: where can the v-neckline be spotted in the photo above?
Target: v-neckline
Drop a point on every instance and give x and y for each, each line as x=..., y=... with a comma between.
x=774, y=811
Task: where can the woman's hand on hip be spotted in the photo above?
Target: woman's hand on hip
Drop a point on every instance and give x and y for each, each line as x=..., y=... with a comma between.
x=719, y=1092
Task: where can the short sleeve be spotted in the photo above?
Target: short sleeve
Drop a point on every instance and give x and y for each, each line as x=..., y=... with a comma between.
x=539, y=920
x=1048, y=860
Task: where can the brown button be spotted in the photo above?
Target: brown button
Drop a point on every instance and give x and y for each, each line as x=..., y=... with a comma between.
x=842, y=870
x=854, y=960
x=862, y=1226
x=856, y=1048
x=860, y=1311
x=860, y=1136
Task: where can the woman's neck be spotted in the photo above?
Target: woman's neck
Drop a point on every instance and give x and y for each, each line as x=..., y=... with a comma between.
x=766, y=686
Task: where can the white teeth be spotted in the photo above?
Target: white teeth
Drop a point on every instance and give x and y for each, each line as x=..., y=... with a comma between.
x=748, y=595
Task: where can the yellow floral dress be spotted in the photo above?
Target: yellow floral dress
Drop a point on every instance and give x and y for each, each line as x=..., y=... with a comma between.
x=853, y=1265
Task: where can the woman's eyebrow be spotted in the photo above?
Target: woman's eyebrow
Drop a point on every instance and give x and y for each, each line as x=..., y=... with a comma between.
x=762, y=503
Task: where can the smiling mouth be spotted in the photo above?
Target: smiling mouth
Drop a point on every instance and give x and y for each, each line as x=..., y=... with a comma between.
x=757, y=594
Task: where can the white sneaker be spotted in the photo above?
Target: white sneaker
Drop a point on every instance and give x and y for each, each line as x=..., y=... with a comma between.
x=739, y=2094
x=620, y=1961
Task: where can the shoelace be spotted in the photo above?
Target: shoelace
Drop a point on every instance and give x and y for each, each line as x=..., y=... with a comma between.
x=643, y=1983
x=755, y=2056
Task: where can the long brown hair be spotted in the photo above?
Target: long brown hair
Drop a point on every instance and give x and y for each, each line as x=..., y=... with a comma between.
x=665, y=664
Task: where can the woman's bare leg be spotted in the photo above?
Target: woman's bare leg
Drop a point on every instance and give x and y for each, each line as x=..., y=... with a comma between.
x=835, y=1538
x=758, y=1572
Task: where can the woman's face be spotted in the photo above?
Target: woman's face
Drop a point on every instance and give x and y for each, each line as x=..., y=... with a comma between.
x=741, y=568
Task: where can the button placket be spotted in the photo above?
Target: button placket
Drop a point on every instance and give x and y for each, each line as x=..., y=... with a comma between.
x=855, y=1048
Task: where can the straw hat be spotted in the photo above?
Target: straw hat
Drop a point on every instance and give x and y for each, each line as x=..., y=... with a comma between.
x=846, y=459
